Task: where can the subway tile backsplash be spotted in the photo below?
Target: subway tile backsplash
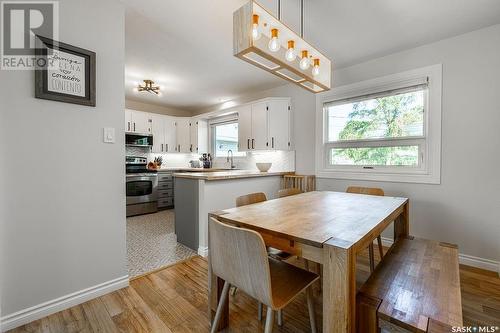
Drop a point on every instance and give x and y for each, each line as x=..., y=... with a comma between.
x=281, y=160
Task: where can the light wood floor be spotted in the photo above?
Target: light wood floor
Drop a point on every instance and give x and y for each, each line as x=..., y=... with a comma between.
x=175, y=300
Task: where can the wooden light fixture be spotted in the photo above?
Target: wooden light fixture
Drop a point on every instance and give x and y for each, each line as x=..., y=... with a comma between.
x=263, y=40
x=149, y=87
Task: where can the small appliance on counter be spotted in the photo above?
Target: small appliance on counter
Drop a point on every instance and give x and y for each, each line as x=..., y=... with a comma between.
x=194, y=164
x=141, y=186
x=207, y=160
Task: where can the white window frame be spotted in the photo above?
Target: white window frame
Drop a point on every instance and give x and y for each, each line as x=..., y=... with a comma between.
x=231, y=119
x=429, y=167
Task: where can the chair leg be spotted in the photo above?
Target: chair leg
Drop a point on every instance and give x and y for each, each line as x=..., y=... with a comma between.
x=380, y=248
x=280, y=317
x=372, y=258
x=310, y=307
x=269, y=320
x=259, y=312
x=306, y=264
x=222, y=303
x=320, y=273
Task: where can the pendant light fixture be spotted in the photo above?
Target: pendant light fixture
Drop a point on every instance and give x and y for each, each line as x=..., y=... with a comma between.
x=265, y=41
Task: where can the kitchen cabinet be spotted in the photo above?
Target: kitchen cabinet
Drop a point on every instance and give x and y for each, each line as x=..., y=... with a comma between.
x=137, y=122
x=170, y=135
x=198, y=136
x=244, y=128
x=158, y=130
x=164, y=134
x=279, y=124
x=264, y=125
x=183, y=135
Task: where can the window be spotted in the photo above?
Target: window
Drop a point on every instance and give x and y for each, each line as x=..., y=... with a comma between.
x=382, y=129
x=225, y=137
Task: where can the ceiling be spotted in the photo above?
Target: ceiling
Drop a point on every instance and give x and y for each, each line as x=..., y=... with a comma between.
x=186, y=46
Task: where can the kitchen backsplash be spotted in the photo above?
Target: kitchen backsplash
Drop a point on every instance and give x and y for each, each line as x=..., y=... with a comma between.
x=281, y=160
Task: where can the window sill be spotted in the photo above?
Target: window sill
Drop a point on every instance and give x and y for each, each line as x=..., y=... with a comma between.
x=381, y=176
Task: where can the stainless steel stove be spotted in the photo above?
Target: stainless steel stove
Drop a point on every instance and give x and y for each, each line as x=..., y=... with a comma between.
x=141, y=187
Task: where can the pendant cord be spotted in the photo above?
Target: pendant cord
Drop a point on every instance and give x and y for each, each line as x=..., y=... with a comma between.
x=301, y=18
x=279, y=10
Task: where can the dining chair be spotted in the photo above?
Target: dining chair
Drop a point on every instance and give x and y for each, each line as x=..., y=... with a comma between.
x=249, y=199
x=239, y=257
x=289, y=191
x=370, y=191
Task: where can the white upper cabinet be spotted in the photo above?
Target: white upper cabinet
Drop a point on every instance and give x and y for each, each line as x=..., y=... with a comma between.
x=158, y=130
x=138, y=122
x=245, y=128
x=198, y=136
x=264, y=125
x=183, y=135
x=259, y=126
x=170, y=135
x=279, y=124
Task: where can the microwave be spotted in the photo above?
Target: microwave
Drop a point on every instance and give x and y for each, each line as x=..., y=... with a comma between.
x=138, y=140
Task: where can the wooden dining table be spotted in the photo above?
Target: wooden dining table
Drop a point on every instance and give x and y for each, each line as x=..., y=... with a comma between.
x=329, y=228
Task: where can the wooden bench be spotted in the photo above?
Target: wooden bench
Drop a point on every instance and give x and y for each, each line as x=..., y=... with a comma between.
x=416, y=288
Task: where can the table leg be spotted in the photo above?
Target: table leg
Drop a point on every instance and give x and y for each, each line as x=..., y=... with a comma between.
x=402, y=223
x=339, y=289
x=215, y=287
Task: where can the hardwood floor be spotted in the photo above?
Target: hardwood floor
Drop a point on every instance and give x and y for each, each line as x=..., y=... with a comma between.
x=175, y=300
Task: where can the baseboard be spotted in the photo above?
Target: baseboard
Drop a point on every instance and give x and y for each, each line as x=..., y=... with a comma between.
x=36, y=312
x=203, y=251
x=465, y=259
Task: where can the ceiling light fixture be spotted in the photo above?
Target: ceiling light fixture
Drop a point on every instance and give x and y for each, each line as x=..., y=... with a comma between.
x=149, y=87
x=264, y=41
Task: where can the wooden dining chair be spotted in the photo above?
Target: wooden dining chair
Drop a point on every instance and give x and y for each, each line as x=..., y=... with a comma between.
x=249, y=199
x=289, y=191
x=370, y=191
x=239, y=257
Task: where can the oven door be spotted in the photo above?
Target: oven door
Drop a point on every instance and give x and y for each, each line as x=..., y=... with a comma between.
x=141, y=189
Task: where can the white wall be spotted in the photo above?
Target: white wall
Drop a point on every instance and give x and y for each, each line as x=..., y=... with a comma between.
x=463, y=209
x=64, y=187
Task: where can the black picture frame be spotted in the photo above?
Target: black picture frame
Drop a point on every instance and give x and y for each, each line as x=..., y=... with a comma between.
x=43, y=45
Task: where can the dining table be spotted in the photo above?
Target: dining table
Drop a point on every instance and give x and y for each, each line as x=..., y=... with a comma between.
x=329, y=228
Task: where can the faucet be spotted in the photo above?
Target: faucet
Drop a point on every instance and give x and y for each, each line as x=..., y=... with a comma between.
x=230, y=158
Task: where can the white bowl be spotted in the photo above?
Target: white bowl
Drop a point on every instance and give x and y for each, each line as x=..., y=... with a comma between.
x=263, y=167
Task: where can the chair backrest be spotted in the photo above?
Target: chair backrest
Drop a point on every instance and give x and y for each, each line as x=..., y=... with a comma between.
x=239, y=256
x=249, y=199
x=289, y=191
x=365, y=190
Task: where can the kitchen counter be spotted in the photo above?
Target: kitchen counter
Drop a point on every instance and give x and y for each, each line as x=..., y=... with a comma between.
x=199, y=193
x=188, y=169
x=229, y=174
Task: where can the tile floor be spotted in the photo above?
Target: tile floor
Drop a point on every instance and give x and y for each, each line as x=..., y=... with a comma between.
x=152, y=244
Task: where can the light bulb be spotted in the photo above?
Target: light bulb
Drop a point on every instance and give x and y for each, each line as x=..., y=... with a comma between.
x=304, y=62
x=315, y=70
x=290, y=53
x=255, y=27
x=274, y=44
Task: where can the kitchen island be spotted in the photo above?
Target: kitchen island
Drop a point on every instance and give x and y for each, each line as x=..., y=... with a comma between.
x=200, y=193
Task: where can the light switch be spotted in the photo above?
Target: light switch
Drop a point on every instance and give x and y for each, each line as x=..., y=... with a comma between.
x=109, y=135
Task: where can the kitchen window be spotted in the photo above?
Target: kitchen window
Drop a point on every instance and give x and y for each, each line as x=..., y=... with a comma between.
x=384, y=129
x=224, y=137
